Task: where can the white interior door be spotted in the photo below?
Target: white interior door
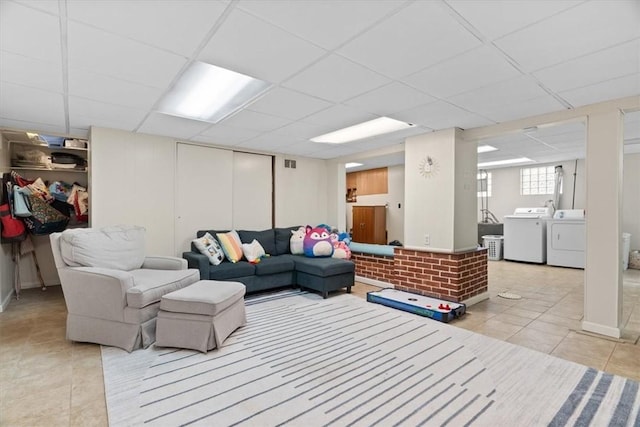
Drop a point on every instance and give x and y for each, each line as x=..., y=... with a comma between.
x=252, y=191
x=203, y=191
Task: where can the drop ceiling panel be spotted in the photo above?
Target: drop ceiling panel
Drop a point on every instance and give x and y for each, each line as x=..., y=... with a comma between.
x=418, y=36
x=600, y=66
x=269, y=142
x=338, y=117
x=320, y=79
x=30, y=72
x=163, y=124
x=20, y=102
x=252, y=120
x=110, y=90
x=468, y=71
x=301, y=130
x=390, y=98
x=103, y=53
x=225, y=135
x=48, y=6
x=308, y=19
x=251, y=46
x=29, y=32
x=586, y=28
x=523, y=108
x=441, y=115
x=84, y=113
x=176, y=26
x=37, y=127
x=288, y=104
x=611, y=89
x=496, y=18
x=508, y=92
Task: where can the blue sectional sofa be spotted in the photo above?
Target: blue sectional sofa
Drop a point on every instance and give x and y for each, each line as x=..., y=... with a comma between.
x=280, y=269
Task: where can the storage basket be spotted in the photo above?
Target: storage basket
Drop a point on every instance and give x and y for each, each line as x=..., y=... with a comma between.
x=634, y=259
x=494, y=247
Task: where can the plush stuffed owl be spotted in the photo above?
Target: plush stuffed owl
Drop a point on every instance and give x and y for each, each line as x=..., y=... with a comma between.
x=317, y=242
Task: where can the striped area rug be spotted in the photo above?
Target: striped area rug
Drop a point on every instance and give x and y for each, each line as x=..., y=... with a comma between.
x=305, y=361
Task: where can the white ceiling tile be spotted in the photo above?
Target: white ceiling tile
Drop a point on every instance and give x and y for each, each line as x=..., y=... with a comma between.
x=441, y=115
x=499, y=17
x=603, y=91
x=586, y=28
x=338, y=117
x=104, y=53
x=29, y=104
x=177, y=26
x=504, y=93
x=288, y=104
x=320, y=79
x=84, y=113
x=270, y=142
x=29, y=32
x=49, y=6
x=309, y=19
x=253, y=120
x=471, y=70
x=36, y=127
x=110, y=90
x=522, y=109
x=221, y=134
x=603, y=65
x=418, y=36
x=301, y=130
x=30, y=72
x=390, y=98
x=163, y=124
x=248, y=45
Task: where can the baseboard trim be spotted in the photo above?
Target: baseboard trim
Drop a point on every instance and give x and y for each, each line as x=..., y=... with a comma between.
x=373, y=282
x=601, y=329
x=5, y=303
x=476, y=299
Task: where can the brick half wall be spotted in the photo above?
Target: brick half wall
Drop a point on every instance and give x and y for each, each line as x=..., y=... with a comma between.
x=454, y=277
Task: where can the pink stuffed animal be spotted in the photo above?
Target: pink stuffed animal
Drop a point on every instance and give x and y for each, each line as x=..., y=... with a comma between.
x=341, y=250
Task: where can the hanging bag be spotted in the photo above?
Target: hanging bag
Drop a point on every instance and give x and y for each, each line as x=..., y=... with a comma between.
x=13, y=230
x=21, y=202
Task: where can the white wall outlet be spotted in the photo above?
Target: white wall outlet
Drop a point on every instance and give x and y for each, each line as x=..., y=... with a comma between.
x=427, y=240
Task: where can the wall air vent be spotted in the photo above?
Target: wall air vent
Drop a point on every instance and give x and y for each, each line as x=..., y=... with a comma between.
x=289, y=163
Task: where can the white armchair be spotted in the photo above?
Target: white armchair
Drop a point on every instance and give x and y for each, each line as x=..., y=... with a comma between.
x=111, y=289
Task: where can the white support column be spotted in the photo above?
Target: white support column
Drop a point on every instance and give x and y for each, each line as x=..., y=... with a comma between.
x=603, y=272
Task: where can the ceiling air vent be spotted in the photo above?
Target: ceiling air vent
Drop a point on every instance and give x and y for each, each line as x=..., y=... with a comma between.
x=289, y=163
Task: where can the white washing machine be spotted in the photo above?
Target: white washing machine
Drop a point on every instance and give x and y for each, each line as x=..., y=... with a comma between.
x=525, y=235
x=566, y=238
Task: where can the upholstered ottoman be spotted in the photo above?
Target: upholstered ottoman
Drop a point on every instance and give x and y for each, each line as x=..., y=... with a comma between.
x=200, y=316
x=324, y=274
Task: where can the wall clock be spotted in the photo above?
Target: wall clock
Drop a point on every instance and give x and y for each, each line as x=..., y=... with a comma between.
x=428, y=167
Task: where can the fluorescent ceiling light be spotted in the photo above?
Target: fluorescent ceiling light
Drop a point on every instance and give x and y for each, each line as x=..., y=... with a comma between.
x=486, y=148
x=352, y=165
x=209, y=93
x=505, y=162
x=378, y=126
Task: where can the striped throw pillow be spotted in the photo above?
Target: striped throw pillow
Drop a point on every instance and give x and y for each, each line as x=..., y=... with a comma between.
x=231, y=245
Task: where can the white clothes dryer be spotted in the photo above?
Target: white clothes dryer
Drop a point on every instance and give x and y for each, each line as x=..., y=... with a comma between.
x=566, y=238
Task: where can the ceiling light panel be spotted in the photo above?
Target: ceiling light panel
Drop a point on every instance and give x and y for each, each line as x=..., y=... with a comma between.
x=486, y=148
x=352, y=165
x=209, y=93
x=379, y=126
x=514, y=161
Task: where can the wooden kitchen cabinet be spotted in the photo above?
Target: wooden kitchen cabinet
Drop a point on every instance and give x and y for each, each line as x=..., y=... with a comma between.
x=370, y=224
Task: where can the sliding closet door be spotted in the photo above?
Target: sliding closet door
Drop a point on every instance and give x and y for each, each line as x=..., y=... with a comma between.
x=203, y=191
x=252, y=191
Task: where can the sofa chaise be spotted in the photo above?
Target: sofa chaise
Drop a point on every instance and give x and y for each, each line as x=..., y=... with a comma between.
x=280, y=269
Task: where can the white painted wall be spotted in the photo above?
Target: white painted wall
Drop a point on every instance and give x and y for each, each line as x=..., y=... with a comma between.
x=394, y=197
x=302, y=193
x=132, y=182
x=252, y=191
x=465, y=231
x=631, y=198
x=429, y=200
x=336, y=205
x=505, y=195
